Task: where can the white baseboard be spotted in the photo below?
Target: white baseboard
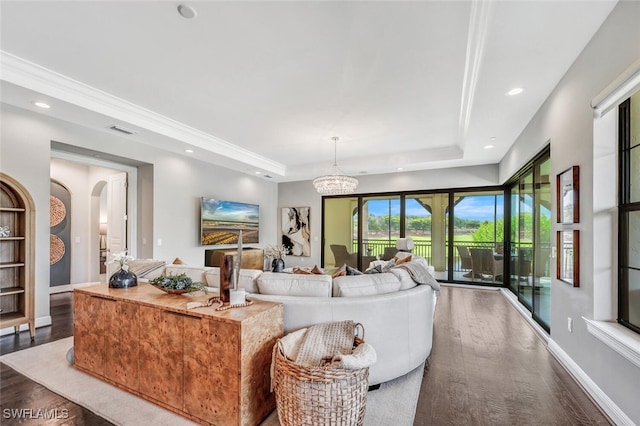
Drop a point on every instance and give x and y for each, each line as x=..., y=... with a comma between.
x=606, y=404
x=40, y=322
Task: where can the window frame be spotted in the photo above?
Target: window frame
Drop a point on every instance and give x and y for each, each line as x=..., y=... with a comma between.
x=625, y=206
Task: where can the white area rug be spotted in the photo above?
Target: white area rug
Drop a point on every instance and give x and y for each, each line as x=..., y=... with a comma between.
x=394, y=403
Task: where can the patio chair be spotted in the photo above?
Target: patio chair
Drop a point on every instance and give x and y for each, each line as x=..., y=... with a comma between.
x=465, y=258
x=484, y=263
x=342, y=256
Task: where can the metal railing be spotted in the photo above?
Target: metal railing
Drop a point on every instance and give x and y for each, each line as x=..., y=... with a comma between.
x=422, y=248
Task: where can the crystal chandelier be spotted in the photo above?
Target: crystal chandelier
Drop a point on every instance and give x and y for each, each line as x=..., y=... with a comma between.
x=337, y=183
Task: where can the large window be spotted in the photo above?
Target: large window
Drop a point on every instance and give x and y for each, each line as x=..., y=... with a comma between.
x=459, y=232
x=629, y=214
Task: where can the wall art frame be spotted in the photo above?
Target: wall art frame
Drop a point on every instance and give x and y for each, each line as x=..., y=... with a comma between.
x=296, y=230
x=568, y=195
x=568, y=262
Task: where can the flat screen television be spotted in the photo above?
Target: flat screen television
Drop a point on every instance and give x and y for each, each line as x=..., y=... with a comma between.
x=221, y=221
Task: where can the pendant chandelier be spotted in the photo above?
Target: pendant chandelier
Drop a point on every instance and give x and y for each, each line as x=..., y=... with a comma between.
x=338, y=183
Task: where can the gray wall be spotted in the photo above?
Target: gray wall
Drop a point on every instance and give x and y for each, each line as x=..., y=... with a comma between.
x=566, y=119
x=169, y=191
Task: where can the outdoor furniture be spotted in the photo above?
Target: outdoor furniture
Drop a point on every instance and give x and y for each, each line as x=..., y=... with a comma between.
x=465, y=257
x=484, y=262
x=343, y=257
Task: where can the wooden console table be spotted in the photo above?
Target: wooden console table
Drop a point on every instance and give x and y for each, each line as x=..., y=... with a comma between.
x=207, y=365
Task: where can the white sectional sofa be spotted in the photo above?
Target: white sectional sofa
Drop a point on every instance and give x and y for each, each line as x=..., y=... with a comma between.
x=397, y=314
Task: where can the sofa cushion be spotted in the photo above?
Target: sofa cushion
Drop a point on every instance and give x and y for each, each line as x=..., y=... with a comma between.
x=365, y=285
x=282, y=284
x=406, y=282
x=248, y=279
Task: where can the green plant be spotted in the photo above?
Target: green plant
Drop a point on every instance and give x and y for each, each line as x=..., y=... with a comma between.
x=180, y=282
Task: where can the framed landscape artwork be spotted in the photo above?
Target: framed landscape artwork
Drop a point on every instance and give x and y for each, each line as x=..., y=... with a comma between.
x=221, y=222
x=296, y=231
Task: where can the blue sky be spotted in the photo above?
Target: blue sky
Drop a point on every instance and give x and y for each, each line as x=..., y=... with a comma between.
x=213, y=209
x=475, y=208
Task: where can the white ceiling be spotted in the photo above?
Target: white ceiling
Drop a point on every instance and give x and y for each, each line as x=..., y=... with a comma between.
x=265, y=85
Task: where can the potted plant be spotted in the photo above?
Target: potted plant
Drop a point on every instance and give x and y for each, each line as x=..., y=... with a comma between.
x=123, y=278
x=177, y=284
x=277, y=253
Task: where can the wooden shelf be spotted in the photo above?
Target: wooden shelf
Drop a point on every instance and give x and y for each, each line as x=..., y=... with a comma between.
x=11, y=290
x=11, y=316
x=11, y=265
x=17, y=254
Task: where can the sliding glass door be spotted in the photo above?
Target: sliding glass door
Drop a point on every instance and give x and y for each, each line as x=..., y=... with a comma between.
x=530, y=238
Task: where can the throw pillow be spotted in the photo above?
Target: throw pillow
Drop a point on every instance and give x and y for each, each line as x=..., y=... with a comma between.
x=317, y=270
x=387, y=266
x=177, y=261
x=403, y=260
x=353, y=271
x=340, y=272
x=376, y=270
x=302, y=270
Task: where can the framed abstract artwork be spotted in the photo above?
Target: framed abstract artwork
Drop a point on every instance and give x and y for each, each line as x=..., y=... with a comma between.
x=567, y=192
x=296, y=231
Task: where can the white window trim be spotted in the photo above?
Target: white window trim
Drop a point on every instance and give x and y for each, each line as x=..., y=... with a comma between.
x=617, y=337
x=617, y=91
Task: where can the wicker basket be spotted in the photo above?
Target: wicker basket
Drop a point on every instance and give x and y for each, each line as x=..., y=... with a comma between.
x=319, y=395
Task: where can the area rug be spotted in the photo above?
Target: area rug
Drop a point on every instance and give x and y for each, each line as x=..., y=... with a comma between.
x=393, y=403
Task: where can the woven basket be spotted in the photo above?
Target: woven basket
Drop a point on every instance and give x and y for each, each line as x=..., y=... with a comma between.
x=319, y=395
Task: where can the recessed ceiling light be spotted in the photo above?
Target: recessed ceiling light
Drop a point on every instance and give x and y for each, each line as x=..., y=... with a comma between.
x=400, y=169
x=515, y=91
x=188, y=151
x=489, y=146
x=41, y=104
x=258, y=172
x=187, y=12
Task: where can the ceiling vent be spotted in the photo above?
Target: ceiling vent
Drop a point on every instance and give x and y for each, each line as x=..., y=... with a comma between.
x=122, y=130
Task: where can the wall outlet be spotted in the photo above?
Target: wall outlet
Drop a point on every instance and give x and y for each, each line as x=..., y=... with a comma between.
x=159, y=241
x=570, y=324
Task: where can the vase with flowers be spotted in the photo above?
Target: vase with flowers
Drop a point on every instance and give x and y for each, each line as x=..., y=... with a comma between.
x=123, y=278
x=277, y=253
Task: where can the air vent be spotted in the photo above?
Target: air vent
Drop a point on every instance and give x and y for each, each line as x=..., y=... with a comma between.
x=268, y=177
x=122, y=130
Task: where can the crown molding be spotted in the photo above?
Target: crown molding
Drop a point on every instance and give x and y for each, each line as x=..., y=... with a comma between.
x=29, y=75
x=476, y=40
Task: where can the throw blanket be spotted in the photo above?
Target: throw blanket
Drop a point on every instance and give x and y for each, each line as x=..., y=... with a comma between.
x=420, y=274
x=323, y=341
x=303, y=346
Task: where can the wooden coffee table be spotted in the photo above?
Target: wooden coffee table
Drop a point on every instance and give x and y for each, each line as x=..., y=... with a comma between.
x=209, y=366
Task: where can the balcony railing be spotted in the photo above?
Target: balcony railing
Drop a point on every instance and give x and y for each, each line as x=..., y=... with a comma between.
x=423, y=248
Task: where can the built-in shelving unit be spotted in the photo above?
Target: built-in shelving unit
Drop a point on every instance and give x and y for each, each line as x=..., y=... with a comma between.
x=17, y=215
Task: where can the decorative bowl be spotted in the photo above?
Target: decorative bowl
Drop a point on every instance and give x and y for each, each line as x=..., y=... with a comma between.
x=172, y=290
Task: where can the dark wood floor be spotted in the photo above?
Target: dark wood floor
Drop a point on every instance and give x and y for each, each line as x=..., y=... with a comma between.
x=18, y=392
x=487, y=367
